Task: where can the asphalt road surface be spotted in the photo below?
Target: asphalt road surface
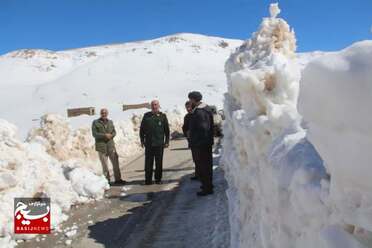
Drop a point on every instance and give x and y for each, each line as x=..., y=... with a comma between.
x=136, y=215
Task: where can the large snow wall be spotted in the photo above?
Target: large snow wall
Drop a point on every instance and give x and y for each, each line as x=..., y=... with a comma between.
x=336, y=90
x=279, y=189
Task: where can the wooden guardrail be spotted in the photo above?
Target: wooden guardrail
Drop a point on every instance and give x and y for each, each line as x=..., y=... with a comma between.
x=80, y=111
x=73, y=112
x=136, y=106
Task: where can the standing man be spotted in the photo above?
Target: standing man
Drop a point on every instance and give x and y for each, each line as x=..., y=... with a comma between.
x=103, y=130
x=186, y=121
x=186, y=132
x=201, y=141
x=154, y=134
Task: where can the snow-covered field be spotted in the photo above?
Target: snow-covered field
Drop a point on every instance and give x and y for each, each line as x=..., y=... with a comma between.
x=47, y=155
x=298, y=179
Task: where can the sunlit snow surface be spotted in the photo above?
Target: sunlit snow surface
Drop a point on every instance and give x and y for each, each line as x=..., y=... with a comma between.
x=37, y=82
x=336, y=92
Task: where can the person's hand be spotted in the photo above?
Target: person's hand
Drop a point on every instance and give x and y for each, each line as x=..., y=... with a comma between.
x=108, y=135
x=166, y=145
x=142, y=145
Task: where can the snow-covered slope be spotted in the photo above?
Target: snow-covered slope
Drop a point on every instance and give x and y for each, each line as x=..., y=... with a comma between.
x=36, y=82
x=36, y=66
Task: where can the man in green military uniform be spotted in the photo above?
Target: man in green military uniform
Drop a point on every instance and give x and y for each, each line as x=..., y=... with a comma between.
x=154, y=134
x=103, y=130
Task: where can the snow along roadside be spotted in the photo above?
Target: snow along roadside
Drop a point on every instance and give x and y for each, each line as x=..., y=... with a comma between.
x=335, y=97
x=57, y=162
x=280, y=192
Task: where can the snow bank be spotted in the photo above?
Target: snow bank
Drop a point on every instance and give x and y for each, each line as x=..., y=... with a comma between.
x=55, y=162
x=65, y=143
x=175, y=119
x=27, y=170
x=336, y=90
x=60, y=140
x=59, y=162
x=278, y=187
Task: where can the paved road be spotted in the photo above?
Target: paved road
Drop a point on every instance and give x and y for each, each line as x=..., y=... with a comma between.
x=167, y=215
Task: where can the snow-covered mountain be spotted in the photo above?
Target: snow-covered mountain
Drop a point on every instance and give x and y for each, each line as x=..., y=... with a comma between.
x=35, y=82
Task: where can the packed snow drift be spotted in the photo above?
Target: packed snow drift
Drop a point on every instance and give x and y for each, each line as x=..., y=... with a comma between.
x=59, y=162
x=56, y=161
x=280, y=193
x=26, y=169
x=335, y=92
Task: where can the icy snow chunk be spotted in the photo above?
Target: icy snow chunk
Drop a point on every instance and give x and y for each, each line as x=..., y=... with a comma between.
x=87, y=184
x=126, y=188
x=274, y=10
x=7, y=130
x=71, y=233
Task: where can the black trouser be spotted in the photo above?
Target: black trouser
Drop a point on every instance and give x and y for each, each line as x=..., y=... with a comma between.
x=204, y=164
x=151, y=153
x=193, y=154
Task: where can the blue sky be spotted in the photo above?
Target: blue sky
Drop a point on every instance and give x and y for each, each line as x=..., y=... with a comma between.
x=62, y=24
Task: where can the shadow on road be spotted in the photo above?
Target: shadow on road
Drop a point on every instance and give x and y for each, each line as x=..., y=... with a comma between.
x=118, y=232
x=180, y=149
x=173, y=169
x=140, y=224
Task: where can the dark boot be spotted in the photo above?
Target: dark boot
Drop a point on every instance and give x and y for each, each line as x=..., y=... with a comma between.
x=204, y=193
x=194, y=178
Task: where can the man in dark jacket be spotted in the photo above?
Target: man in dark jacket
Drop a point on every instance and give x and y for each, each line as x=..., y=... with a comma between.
x=186, y=121
x=154, y=134
x=201, y=141
x=103, y=131
x=186, y=132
